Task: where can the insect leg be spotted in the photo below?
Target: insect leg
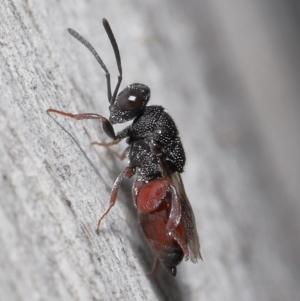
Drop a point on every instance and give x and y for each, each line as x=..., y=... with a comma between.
x=120, y=157
x=154, y=267
x=106, y=125
x=107, y=144
x=174, y=219
x=128, y=173
x=175, y=214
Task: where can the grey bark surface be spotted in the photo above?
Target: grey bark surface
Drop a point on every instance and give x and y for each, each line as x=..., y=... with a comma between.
x=228, y=74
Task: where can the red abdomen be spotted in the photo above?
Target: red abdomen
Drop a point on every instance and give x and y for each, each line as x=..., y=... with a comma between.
x=153, y=201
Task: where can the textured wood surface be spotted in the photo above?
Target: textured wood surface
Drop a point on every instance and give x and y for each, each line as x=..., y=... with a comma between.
x=230, y=84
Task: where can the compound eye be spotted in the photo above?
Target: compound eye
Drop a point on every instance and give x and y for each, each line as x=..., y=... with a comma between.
x=130, y=100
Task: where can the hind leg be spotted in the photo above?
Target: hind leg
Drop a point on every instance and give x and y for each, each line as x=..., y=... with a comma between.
x=127, y=173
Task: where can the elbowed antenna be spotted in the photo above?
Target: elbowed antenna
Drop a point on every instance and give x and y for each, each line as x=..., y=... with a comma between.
x=76, y=35
x=82, y=40
x=117, y=55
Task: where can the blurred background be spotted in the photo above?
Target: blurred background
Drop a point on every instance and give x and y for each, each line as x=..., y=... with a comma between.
x=236, y=65
x=227, y=72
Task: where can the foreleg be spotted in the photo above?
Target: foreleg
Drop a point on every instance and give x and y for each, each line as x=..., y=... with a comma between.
x=106, y=125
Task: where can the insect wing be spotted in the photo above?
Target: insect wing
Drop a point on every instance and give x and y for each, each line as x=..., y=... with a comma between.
x=188, y=219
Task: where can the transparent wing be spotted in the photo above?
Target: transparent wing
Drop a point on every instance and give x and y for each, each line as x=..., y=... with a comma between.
x=188, y=219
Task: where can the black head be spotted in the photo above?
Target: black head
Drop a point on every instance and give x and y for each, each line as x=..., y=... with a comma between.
x=133, y=99
x=129, y=103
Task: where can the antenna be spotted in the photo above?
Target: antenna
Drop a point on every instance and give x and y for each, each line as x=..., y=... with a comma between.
x=76, y=35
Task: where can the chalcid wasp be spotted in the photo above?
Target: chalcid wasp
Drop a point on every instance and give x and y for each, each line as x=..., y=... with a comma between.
x=156, y=158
